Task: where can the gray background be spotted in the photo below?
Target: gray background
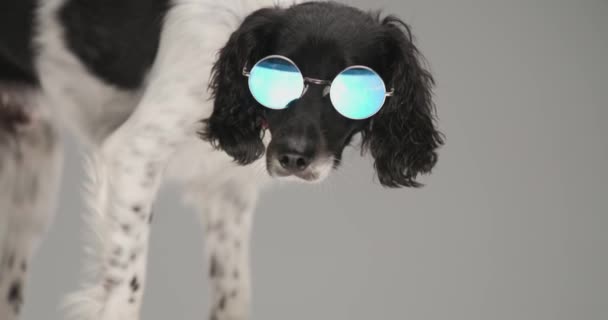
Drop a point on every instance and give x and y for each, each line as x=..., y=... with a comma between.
x=512, y=224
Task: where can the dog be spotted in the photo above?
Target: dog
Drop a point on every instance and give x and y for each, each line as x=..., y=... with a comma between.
x=163, y=90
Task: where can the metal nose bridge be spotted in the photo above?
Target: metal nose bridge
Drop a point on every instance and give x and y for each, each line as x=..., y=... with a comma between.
x=317, y=81
x=323, y=85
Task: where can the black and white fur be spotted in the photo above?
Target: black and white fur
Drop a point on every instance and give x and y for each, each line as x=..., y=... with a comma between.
x=141, y=82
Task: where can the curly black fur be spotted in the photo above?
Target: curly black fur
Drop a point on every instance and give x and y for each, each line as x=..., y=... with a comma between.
x=236, y=123
x=402, y=137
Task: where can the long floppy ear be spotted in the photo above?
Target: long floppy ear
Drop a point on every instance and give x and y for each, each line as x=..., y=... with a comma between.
x=402, y=137
x=236, y=122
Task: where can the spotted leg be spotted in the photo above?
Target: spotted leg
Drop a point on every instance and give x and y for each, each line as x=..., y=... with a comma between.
x=126, y=175
x=226, y=212
x=129, y=167
x=30, y=161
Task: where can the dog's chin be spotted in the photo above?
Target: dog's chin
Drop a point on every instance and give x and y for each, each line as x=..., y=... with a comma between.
x=316, y=173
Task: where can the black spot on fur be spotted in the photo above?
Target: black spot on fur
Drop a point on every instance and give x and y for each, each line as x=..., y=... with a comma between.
x=126, y=228
x=134, y=284
x=115, y=263
x=222, y=236
x=151, y=171
x=215, y=268
x=138, y=210
x=216, y=226
x=221, y=303
x=131, y=300
x=111, y=283
x=235, y=199
x=14, y=296
x=117, y=42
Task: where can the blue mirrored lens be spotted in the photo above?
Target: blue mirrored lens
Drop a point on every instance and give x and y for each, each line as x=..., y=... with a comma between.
x=358, y=93
x=275, y=82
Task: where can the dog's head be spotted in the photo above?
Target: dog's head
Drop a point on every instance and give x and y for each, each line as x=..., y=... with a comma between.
x=309, y=136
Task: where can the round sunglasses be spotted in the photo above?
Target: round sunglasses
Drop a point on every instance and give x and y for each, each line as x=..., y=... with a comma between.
x=357, y=92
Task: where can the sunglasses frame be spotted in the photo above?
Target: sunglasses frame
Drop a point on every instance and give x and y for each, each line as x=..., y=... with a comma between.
x=246, y=72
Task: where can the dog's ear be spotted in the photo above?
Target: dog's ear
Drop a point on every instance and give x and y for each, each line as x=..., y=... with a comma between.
x=236, y=122
x=402, y=137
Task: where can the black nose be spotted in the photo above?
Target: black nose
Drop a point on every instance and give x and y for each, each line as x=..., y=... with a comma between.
x=295, y=144
x=294, y=162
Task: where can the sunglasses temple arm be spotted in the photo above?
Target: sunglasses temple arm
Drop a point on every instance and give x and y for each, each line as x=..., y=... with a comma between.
x=391, y=93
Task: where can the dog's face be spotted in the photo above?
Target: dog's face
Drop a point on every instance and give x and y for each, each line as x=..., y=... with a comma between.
x=309, y=136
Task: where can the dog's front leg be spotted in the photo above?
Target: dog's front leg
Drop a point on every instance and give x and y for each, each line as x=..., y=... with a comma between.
x=226, y=214
x=126, y=175
x=129, y=167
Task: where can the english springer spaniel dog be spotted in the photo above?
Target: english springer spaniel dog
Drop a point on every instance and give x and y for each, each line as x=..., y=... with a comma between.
x=221, y=96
